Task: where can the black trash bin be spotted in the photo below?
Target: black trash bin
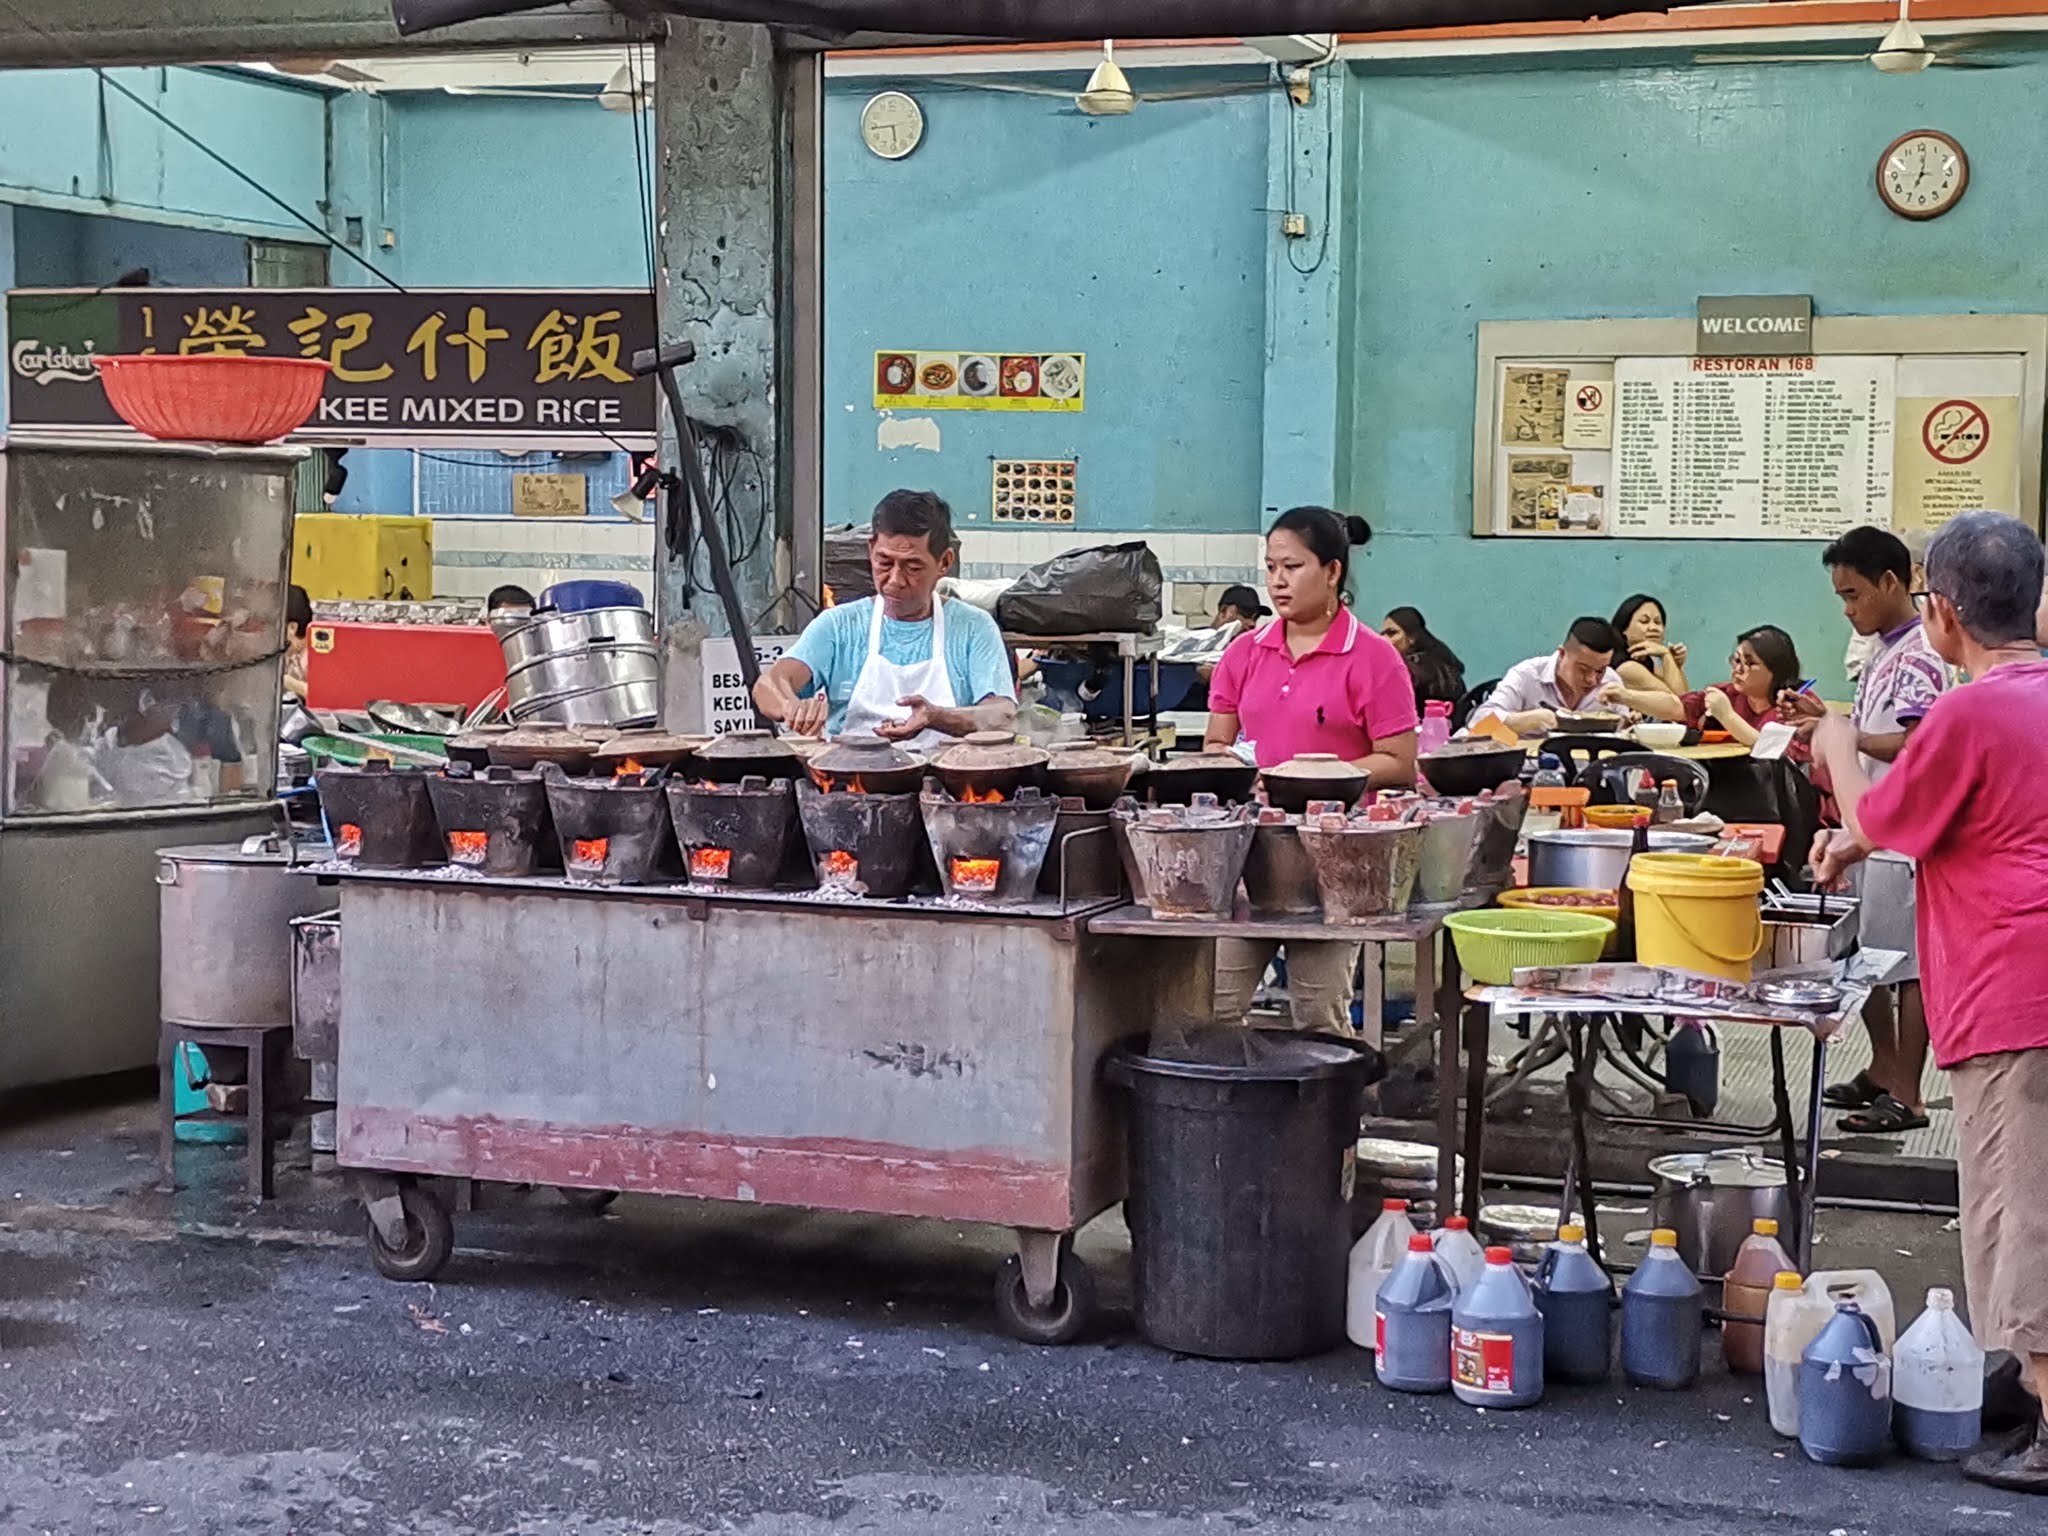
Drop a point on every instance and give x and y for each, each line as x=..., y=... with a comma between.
x=1240, y=1231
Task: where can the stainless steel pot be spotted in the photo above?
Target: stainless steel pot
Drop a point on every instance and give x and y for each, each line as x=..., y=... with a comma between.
x=566, y=634
x=623, y=703
x=1596, y=859
x=224, y=913
x=1711, y=1199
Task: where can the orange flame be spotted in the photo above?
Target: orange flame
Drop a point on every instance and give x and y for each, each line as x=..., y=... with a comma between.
x=853, y=785
x=588, y=852
x=628, y=768
x=976, y=877
x=468, y=847
x=838, y=867
x=710, y=863
x=348, y=840
x=972, y=796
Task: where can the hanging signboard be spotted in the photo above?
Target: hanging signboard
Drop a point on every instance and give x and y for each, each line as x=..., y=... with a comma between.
x=1752, y=325
x=431, y=366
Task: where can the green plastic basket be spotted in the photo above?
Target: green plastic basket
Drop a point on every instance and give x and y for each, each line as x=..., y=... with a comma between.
x=1496, y=942
x=351, y=751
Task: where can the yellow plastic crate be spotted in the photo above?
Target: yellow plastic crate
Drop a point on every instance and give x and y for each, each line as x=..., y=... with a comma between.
x=336, y=555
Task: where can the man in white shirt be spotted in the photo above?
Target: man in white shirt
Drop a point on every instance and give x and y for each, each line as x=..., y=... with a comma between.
x=1571, y=679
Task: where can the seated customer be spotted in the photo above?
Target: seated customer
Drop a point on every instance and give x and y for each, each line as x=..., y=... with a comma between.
x=1652, y=660
x=1433, y=666
x=1764, y=665
x=1578, y=675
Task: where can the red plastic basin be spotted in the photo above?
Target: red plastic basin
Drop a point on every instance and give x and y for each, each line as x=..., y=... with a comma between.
x=213, y=398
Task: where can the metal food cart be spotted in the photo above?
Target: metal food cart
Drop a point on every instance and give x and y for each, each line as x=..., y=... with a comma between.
x=144, y=593
x=912, y=1058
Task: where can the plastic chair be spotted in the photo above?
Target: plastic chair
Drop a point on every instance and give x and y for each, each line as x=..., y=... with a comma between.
x=1474, y=697
x=1566, y=750
x=1608, y=778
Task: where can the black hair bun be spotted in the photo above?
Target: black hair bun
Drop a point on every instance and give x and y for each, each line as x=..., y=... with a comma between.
x=1357, y=530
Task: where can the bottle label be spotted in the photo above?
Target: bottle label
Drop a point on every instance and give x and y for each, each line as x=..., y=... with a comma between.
x=1379, y=1340
x=1483, y=1362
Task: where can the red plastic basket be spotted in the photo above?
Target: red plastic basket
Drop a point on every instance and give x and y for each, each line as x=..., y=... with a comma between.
x=213, y=399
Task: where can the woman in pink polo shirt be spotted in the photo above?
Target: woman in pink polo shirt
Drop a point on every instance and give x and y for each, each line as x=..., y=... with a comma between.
x=1311, y=679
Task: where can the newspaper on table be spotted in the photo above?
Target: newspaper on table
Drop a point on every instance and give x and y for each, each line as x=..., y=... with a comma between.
x=1629, y=988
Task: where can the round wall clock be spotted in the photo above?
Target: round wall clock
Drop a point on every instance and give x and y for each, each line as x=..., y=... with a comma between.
x=891, y=124
x=1922, y=174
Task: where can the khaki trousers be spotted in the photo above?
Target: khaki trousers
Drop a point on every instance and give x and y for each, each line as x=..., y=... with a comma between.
x=1320, y=979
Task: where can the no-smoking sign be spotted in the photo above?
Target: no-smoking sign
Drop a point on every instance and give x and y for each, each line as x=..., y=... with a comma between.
x=1956, y=431
x=1590, y=397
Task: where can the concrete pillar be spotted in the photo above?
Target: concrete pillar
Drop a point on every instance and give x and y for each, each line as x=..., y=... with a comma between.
x=736, y=183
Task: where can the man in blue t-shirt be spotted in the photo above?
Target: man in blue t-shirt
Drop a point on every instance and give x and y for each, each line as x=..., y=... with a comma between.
x=901, y=664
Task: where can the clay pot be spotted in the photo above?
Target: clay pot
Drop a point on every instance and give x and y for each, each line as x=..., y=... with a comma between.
x=474, y=747
x=737, y=754
x=1222, y=774
x=1095, y=775
x=1313, y=776
x=985, y=762
x=882, y=767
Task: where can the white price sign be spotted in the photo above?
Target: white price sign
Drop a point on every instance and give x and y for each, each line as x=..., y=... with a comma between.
x=727, y=706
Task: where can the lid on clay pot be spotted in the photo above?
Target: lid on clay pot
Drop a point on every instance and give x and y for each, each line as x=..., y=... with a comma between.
x=1208, y=760
x=1319, y=767
x=654, y=748
x=989, y=752
x=1079, y=755
x=862, y=753
x=805, y=747
x=748, y=746
x=527, y=746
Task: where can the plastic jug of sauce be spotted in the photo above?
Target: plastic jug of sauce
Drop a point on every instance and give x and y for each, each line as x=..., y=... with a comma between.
x=1845, y=1392
x=1497, y=1338
x=1412, y=1322
x=1792, y=1318
x=1576, y=1297
x=1662, y=1318
x=1746, y=1290
x=1373, y=1258
x=1938, y=1384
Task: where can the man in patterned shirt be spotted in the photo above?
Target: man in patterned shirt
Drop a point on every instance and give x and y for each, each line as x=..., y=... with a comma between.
x=1873, y=576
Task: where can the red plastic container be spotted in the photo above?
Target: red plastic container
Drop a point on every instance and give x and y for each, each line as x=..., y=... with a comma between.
x=213, y=399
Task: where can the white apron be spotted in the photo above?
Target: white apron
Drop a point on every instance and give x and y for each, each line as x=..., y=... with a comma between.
x=882, y=682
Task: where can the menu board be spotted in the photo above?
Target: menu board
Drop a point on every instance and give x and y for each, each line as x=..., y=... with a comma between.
x=1752, y=447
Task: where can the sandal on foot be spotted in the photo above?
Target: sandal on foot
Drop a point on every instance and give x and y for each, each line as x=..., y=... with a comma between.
x=1854, y=1094
x=1885, y=1116
x=2019, y=1465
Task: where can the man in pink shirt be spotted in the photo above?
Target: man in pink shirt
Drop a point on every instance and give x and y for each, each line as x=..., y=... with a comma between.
x=1964, y=799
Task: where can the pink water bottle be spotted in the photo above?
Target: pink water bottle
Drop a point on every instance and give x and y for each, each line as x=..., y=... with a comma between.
x=1436, y=726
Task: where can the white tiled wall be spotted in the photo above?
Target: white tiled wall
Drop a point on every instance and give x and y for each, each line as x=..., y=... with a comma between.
x=474, y=554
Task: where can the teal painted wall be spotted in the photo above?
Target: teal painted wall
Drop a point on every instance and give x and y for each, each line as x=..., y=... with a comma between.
x=1572, y=194
x=1021, y=225
x=68, y=141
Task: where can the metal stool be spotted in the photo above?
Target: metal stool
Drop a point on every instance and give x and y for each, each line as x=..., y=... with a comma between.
x=266, y=1047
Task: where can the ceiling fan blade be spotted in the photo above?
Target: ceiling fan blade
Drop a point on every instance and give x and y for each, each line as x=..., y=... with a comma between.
x=1964, y=61
x=1779, y=58
x=1210, y=92
x=1001, y=87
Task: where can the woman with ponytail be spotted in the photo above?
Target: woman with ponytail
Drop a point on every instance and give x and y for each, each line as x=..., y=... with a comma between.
x=1310, y=679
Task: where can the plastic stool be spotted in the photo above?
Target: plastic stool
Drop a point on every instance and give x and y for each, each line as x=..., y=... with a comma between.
x=266, y=1046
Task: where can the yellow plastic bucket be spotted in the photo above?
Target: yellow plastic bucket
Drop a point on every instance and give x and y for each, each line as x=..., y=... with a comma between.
x=1696, y=912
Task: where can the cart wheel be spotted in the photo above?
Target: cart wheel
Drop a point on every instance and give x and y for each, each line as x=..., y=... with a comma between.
x=429, y=1239
x=592, y=1202
x=1073, y=1303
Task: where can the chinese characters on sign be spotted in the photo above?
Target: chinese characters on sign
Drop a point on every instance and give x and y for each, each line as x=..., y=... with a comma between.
x=542, y=368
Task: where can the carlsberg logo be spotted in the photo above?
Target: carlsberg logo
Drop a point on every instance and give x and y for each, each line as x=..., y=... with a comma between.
x=48, y=365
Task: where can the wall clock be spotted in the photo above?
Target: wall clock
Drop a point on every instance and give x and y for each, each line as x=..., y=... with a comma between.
x=891, y=124
x=1922, y=174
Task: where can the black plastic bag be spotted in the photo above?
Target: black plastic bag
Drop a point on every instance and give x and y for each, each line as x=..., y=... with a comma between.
x=1107, y=589
x=847, y=571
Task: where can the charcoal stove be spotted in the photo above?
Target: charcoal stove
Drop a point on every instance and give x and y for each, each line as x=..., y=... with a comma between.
x=989, y=847
x=1083, y=854
x=1184, y=860
x=612, y=831
x=865, y=844
x=494, y=821
x=739, y=835
x=380, y=816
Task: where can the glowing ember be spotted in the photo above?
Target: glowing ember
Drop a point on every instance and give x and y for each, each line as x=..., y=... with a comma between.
x=589, y=852
x=973, y=796
x=838, y=867
x=976, y=877
x=468, y=847
x=348, y=840
x=710, y=863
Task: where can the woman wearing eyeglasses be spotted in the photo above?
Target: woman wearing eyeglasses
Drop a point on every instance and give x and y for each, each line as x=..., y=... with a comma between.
x=1765, y=664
